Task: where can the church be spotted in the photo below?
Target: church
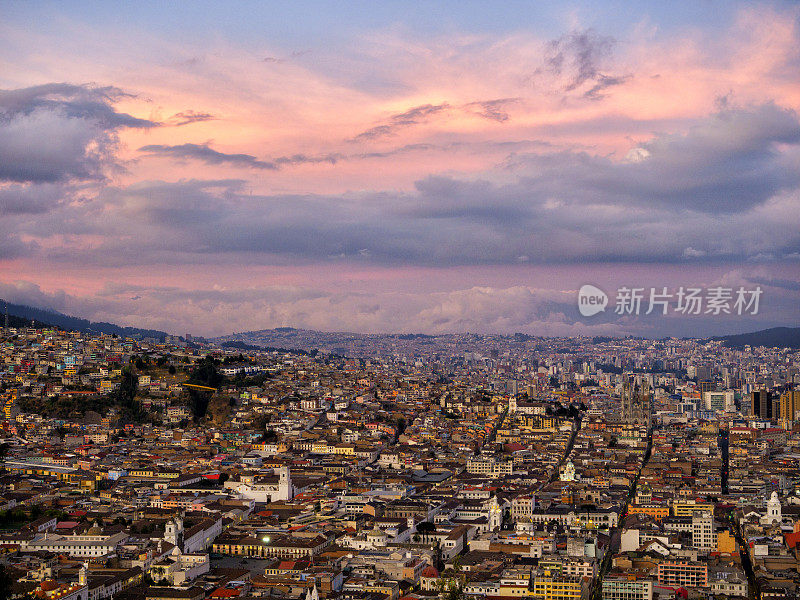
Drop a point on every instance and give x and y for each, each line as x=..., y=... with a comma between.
x=264, y=488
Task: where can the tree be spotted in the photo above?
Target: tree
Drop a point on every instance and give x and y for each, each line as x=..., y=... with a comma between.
x=5, y=583
x=426, y=527
x=171, y=369
x=457, y=564
x=206, y=373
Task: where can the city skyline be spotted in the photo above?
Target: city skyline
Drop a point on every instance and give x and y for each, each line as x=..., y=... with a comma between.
x=211, y=169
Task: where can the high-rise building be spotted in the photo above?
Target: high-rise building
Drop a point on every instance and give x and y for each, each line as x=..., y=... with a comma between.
x=790, y=405
x=703, y=372
x=719, y=401
x=636, y=402
x=683, y=574
x=760, y=405
x=706, y=385
x=703, y=537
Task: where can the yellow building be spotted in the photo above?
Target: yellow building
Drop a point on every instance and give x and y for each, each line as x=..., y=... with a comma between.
x=790, y=405
x=657, y=511
x=556, y=588
x=147, y=472
x=686, y=508
x=726, y=543
x=346, y=449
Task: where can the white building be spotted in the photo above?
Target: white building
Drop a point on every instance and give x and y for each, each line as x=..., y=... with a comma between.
x=774, y=513
x=92, y=545
x=624, y=589
x=703, y=536
x=265, y=489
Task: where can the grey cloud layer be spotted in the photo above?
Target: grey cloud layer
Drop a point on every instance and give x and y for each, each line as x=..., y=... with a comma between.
x=726, y=190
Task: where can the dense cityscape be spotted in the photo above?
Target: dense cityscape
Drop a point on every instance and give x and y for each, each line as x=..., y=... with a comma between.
x=482, y=467
x=400, y=300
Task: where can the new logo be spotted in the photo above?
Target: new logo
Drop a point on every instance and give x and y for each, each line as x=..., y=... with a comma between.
x=591, y=300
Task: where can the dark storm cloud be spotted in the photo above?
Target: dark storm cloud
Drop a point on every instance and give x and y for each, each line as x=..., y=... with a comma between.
x=59, y=131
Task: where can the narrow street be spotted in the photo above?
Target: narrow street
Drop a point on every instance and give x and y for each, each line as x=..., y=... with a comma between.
x=731, y=520
x=616, y=533
x=576, y=427
x=723, y=442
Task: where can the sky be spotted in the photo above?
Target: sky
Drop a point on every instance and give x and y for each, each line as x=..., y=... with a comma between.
x=435, y=167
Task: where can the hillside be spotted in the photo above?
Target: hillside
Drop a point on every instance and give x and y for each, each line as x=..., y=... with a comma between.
x=781, y=337
x=46, y=317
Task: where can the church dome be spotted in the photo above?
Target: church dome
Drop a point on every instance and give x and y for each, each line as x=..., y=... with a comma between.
x=95, y=529
x=430, y=572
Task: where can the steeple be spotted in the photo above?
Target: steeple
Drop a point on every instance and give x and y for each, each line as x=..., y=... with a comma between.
x=285, y=487
x=774, y=507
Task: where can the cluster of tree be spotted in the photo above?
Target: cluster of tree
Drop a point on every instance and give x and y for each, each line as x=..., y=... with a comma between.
x=205, y=373
x=64, y=406
x=413, y=336
x=18, y=516
x=145, y=362
x=296, y=351
x=124, y=397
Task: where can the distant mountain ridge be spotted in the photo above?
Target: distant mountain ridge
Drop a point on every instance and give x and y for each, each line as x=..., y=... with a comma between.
x=44, y=317
x=781, y=337
x=289, y=337
x=21, y=315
